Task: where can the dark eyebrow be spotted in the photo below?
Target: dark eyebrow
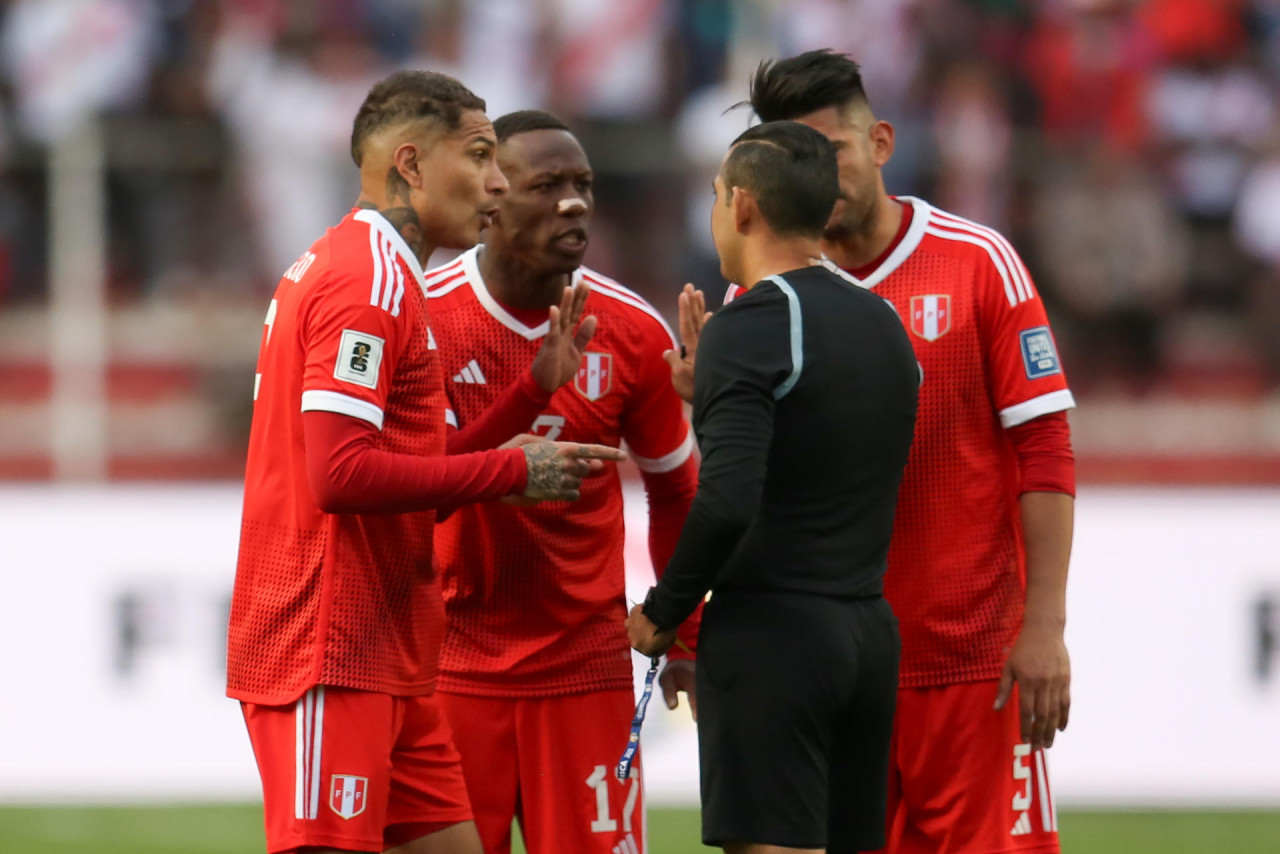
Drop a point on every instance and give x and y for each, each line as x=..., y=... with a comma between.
x=486, y=141
x=567, y=171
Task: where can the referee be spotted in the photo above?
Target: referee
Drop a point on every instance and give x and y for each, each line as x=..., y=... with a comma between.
x=804, y=405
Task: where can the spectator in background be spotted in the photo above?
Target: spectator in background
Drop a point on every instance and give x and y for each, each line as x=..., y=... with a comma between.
x=1088, y=62
x=974, y=139
x=288, y=91
x=1114, y=255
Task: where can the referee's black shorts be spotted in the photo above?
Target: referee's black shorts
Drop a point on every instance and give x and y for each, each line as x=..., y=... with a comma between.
x=795, y=709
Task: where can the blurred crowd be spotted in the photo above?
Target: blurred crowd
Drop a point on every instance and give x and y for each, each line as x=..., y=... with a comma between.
x=1131, y=150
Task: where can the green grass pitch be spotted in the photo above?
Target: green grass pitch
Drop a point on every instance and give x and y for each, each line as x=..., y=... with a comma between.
x=238, y=830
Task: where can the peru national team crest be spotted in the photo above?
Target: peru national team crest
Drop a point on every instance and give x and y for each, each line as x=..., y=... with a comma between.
x=347, y=795
x=931, y=316
x=595, y=377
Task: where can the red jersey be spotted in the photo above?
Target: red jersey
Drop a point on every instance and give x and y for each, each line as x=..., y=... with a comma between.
x=338, y=599
x=957, y=569
x=535, y=595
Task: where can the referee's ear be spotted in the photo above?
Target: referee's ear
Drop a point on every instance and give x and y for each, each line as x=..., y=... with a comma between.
x=744, y=209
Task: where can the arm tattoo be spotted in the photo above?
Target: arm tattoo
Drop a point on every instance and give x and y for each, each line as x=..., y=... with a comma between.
x=544, y=473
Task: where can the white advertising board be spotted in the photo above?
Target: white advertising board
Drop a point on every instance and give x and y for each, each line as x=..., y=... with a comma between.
x=113, y=610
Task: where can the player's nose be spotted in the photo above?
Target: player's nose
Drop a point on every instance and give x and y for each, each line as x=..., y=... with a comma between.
x=572, y=207
x=495, y=182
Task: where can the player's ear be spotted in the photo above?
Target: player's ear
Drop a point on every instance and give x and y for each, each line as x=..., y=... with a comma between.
x=882, y=142
x=407, y=162
x=743, y=207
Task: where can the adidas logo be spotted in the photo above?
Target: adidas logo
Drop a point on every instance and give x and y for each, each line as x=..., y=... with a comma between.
x=471, y=374
x=1022, y=826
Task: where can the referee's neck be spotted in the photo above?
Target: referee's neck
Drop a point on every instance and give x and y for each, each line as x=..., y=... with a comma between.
x=771, y=255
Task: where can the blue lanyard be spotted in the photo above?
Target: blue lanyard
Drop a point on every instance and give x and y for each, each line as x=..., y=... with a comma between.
x=633, y=741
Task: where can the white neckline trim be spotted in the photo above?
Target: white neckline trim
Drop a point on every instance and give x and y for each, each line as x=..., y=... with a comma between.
x=920, y=215
x=470, y=263
x=378, y=221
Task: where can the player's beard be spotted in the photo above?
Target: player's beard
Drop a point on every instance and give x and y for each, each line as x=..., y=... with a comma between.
x=855, y=219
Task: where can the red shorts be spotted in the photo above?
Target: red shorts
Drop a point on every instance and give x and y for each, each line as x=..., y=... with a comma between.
x=355, y=770
x=550, y=763
x=961, y=781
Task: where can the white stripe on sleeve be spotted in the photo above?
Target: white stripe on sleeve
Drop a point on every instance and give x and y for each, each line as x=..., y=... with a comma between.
x=667, y=462
x=320, y=400
x=1021, y=413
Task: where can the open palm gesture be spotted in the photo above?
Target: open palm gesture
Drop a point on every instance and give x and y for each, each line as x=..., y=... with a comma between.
x=560, y=355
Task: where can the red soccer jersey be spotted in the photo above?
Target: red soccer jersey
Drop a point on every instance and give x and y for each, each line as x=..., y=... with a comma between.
x=957, y=569
x=535, y=595
x=338, y=599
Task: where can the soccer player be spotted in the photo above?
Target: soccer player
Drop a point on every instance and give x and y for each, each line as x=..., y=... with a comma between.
x=337, y=615
x=804, y=402
x=536, y=669
x=978, y=567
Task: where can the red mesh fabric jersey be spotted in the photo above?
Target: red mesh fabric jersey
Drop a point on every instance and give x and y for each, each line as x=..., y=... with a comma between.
x=339, y=599
x=535, y=596
x=956, y=576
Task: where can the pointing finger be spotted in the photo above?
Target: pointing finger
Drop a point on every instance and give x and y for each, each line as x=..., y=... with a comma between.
x=599, y=452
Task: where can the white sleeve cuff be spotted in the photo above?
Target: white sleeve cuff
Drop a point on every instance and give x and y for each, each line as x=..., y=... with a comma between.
x=343, y=404
x=671, y=461
x=1021, y=413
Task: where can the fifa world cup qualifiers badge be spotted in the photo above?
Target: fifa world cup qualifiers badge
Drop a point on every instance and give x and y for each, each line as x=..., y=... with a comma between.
x=1038, y=353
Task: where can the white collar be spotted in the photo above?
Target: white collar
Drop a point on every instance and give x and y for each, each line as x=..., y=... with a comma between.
x=376, y=220
x=471, y=265
x=921, y=212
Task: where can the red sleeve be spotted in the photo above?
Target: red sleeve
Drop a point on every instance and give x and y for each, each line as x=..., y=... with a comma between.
x=511, y=414
x=653, y=423
x=1045, y=460
x=351, y=347
x=661, y=442
x=670, y=494
x=1024, y=374
x=348, y=474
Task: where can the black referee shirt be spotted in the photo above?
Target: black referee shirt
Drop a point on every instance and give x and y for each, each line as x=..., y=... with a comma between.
x=804, y=406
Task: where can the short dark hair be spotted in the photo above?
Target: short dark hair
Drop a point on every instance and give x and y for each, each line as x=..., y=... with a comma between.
x=524, y=121
x=791, y=171
x=799, y=85
x=408, y=95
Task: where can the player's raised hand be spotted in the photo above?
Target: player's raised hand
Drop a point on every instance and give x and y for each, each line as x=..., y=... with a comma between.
x=1040, y=665
x=556, y=469
x=568, y=334
x=693, y=316
x=680, y=674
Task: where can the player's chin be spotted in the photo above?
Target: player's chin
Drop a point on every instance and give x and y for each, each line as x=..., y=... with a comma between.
x=565, y=260
x=464, y=236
